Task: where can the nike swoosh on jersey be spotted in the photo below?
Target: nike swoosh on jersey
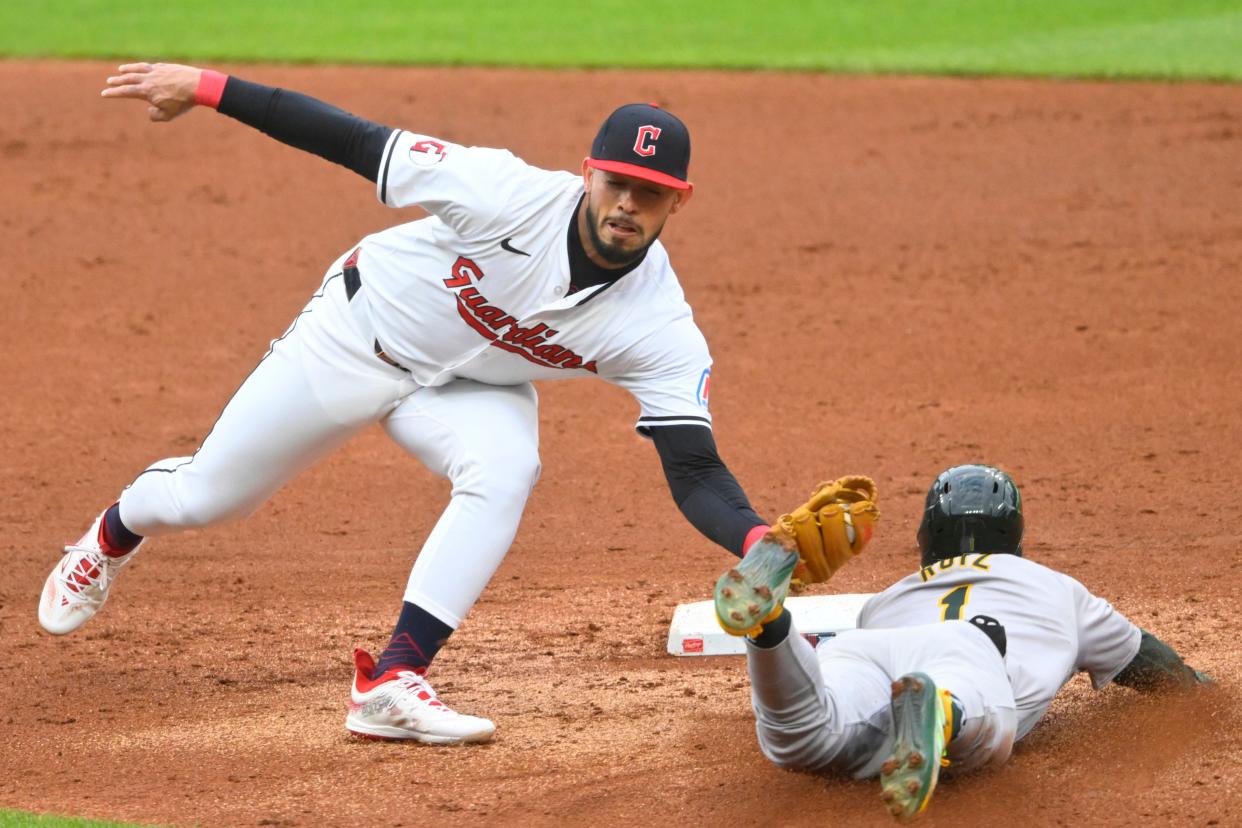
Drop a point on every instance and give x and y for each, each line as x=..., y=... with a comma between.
x=505, y=244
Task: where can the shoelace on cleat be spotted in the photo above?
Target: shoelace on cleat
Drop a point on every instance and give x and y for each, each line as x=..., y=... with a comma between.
x=85, y=581
x=409, y=680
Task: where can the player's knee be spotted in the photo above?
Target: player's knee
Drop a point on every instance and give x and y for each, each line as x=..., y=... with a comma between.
x=796, y=743
x=173, y=495
x=169, y=464
x=201, y=514
x=509, y=476
x=200, y=507
x=787, y=756
x=778, y=756
x=514, y=476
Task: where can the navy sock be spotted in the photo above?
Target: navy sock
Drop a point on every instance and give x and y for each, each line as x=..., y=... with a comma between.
x=115, y=534
x=416, y=639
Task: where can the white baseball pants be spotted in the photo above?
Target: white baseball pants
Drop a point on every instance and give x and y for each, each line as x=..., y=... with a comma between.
x=829, y=707
x=319, y=384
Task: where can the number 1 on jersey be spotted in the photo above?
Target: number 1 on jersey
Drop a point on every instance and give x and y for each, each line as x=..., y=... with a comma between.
x=953, y=601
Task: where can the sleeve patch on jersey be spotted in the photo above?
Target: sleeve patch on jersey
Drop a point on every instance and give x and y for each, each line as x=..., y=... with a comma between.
x=427, y=153
x=705, y=381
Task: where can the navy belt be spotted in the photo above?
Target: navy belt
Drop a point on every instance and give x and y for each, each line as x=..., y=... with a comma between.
x=353, y=281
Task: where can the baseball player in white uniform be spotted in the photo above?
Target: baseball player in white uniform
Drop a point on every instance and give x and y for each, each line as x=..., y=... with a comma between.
x=435, y=329
x=950, y=665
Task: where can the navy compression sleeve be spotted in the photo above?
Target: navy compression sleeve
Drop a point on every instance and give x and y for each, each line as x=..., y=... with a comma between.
x=704, y=489
x=308, y=124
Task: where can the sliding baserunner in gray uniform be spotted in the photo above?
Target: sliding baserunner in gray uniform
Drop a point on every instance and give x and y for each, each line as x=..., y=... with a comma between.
x=950, y=665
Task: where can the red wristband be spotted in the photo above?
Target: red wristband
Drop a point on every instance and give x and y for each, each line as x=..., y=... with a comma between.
x=753, y=536
x=210, y=88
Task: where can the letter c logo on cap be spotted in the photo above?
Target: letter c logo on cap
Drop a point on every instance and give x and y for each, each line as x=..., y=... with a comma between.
x=645, y=143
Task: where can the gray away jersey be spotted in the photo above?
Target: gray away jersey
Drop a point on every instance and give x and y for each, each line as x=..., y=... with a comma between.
x=1055, y=626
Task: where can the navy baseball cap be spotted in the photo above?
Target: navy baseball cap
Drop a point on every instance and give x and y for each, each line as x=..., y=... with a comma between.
x=646, y=142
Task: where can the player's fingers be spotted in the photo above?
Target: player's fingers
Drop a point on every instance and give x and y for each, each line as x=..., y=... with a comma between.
x=135, y=67
x=131, y=91
x=127, y=79
x=157, y=114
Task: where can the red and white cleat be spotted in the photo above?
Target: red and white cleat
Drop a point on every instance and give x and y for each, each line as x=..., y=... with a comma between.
x=77, y=588
x=400, y=704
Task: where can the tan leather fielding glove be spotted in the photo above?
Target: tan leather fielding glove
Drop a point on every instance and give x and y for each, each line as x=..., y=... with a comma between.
x=832, y=527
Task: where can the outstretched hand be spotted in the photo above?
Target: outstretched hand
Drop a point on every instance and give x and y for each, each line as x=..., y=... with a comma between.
x=168, y=87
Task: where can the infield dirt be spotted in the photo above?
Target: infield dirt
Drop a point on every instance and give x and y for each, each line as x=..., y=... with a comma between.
x=895, y=275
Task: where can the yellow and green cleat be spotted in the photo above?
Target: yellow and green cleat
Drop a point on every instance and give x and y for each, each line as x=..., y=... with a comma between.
x=752, y=593
x=922, y=727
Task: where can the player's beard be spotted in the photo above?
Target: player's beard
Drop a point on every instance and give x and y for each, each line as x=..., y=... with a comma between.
x=612, y=253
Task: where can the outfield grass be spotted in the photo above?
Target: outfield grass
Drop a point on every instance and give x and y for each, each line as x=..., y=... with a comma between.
x=1098, y=38
x=17, y=819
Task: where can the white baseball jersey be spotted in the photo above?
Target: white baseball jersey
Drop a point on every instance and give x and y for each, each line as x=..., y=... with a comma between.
x=480, y=289
x=1054, y=626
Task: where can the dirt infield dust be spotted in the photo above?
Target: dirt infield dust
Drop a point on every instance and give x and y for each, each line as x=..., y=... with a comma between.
x=894, y=274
